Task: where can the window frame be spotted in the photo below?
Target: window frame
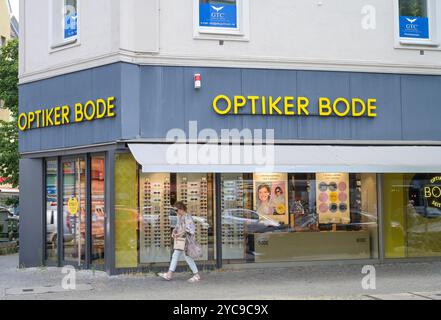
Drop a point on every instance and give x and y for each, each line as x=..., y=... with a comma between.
x=241, y=32
x=434, y=16
x=56, y=34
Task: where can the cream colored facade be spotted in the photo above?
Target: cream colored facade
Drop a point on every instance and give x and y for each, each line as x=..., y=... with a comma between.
x=5, y=29
x=332, y=35
x=5, y=34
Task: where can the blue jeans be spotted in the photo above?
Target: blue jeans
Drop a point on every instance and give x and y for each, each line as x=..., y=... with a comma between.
x=176, y=256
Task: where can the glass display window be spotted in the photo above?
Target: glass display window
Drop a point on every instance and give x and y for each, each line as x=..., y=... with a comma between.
x=52, y=210
x=412, y=215
x=299, y=217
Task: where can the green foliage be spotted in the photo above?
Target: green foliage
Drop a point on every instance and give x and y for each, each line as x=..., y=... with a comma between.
x=9, y=155
x=12, y=202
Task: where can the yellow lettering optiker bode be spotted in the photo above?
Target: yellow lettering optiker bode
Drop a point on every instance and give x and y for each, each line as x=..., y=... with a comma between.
x=294, y=106
x=58, y=116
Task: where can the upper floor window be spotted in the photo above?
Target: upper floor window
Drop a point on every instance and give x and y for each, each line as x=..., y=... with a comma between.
x=417, y=22
x=414, y=19
x=220, y=18
x=65, y=22
x=221, y=14
x=70, y=19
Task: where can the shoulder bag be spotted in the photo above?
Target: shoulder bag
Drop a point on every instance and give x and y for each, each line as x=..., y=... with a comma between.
x=179, y=244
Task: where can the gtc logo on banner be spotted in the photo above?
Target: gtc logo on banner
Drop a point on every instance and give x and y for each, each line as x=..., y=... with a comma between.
x=414, y=27
x=219, y=14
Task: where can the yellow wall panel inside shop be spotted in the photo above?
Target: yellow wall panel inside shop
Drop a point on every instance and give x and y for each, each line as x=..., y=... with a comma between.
x=423, y=233
x=408, y=233
x=126, y=214
x=394, y=222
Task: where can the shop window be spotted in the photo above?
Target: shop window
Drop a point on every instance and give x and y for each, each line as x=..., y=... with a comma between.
x=412, y=215
x=145, y=216
x=276, y=217
x=266, y=217
x=221, y=17
x=98, y=208
x=51, y=210
x=65, y=22
x=74, y=211
x=417, y=22
x=126, y=211
x=158, y=193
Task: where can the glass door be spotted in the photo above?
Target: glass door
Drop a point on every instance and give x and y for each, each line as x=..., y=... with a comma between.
x=74, y=211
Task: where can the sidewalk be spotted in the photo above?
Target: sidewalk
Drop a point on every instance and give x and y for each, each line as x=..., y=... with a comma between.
x=317, y=282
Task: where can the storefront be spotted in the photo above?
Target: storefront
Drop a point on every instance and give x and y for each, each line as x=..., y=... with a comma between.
x=345, y=167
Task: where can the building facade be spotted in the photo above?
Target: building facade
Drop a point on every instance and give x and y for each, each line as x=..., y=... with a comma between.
x=295, y=131
x=5, y=35
x=8, y=29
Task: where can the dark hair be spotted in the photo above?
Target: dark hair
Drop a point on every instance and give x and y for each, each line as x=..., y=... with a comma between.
x=279, y=189
x=264, y=186
x=181, y=206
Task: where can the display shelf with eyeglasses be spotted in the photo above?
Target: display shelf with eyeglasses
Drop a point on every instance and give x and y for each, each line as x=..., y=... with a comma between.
x=233, y=205
x=155, y=229
x=192, y=189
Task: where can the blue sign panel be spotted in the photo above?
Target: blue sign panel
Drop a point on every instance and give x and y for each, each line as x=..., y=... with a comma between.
x=414, y=27
x=221, y=15
x=70, y=26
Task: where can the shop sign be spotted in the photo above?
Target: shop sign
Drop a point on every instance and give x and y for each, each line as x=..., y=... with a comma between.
x=294, y=106
x=64, y=115
x=414, y=27
x=218, y=14
x=72, y=206
x=432, y=192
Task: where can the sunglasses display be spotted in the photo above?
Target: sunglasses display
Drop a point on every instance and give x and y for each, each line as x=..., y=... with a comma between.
x=155, y=226
x=236, y=196
x=192, y=189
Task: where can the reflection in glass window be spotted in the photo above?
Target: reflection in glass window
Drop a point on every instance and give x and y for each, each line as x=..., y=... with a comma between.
x=412, y=209
x=413, y=8
x=74, y=211
x=51, y=210
x=275, y=217
x=98, y=208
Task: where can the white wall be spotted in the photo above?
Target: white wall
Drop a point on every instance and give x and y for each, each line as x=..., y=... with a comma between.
x=300, y=34
x=99, y=37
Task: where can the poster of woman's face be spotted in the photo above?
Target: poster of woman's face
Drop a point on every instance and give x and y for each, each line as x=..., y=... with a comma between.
x=264, y=204
x=270, y=196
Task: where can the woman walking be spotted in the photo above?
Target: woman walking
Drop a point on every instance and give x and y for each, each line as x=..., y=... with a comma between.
x=183, y=232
